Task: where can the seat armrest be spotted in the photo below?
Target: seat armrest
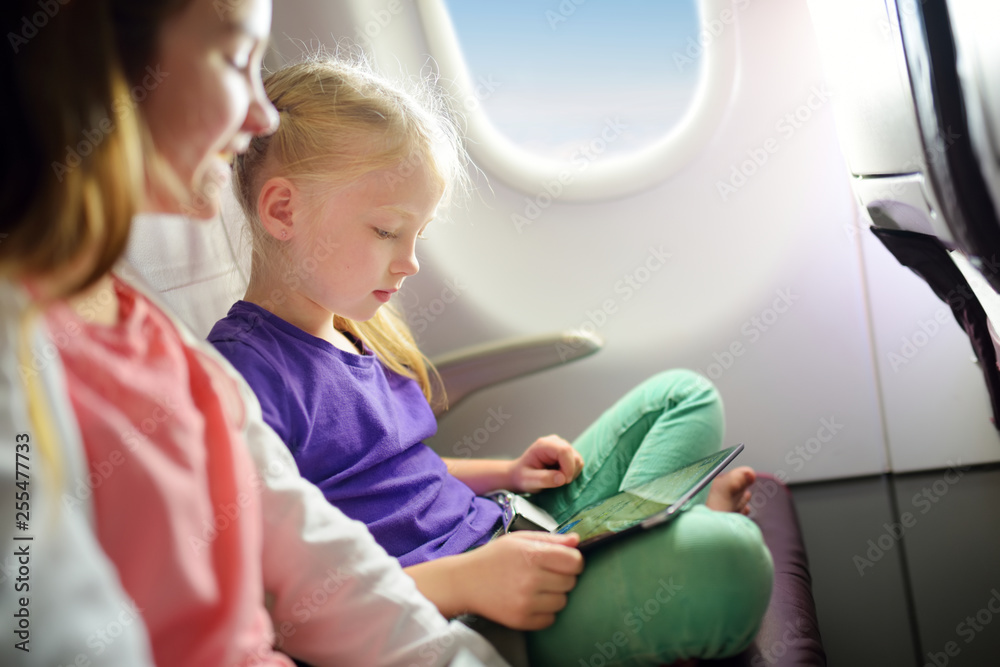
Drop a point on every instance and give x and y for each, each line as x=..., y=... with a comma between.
x=473, y=368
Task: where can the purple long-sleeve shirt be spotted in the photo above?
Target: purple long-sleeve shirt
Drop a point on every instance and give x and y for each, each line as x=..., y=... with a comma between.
x=356, y=430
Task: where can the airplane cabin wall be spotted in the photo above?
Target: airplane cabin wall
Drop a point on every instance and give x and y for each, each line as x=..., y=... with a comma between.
x=764, y=290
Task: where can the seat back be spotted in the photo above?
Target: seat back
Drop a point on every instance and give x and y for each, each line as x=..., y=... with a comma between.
x=917, y=100
x=199, y=268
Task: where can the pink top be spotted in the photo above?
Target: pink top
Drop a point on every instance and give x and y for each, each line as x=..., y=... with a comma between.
x=175, y=493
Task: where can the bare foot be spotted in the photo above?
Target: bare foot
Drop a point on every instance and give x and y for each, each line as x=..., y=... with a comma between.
x=730, y=491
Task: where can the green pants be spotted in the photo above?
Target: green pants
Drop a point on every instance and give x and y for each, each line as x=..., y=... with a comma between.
x=696, y=588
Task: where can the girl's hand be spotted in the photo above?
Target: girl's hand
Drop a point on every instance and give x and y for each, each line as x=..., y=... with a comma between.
x=521, y=579
x=547, y=463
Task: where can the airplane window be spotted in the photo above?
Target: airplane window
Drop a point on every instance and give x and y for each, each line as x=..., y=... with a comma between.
x=553, y=76
x=608, y=98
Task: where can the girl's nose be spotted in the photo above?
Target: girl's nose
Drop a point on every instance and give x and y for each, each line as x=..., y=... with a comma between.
x=262, y=118
x=407, y=263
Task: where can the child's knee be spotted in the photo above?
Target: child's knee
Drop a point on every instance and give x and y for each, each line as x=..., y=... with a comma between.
x=681, y=384
x=731, y=575
x=685, y=389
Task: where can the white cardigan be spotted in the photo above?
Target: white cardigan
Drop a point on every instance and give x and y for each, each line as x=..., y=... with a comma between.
x=335, y=596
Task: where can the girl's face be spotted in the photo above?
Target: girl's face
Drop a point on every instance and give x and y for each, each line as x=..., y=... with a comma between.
x=360, y=245
x=207, y=101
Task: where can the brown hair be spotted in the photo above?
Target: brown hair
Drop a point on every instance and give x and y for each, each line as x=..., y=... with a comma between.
x=339, y=121
x=76, y=152
x=75, y=156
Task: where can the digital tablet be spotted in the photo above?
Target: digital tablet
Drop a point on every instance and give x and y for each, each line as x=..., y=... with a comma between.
x=649, y=505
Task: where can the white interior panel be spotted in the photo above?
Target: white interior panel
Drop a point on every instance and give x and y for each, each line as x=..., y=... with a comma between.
x=786, y=229
x=878, y=119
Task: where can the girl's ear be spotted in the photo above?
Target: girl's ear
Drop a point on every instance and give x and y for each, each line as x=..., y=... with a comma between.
x=276, y=207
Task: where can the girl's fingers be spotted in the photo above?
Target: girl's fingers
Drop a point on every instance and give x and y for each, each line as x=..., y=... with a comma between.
x=553, y=583
x=567, y=463
x=538, y=621
x=535, y=479
x=564, y=539
x=551, y=552
x=549, y=603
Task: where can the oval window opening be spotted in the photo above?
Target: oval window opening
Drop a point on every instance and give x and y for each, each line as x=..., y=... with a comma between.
x=554, y=76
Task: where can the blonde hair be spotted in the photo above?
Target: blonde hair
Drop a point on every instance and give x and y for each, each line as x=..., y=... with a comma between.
x=340, y=121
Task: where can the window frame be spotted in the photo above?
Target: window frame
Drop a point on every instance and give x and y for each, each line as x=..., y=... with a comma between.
x=604, y=179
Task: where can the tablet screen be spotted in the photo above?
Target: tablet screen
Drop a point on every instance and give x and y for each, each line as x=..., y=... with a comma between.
x=626, y=509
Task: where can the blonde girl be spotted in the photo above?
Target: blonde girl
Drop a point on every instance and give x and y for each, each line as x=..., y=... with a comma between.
x=337, y=199
x=116, y=107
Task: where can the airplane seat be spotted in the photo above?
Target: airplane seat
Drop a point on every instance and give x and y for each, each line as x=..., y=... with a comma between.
x=918, y=116
x=199, y=270
x=193, y=267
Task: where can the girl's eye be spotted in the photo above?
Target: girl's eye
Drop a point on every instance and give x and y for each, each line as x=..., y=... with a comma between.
x=384, y=235
x=240, y=55
x=241, y=65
